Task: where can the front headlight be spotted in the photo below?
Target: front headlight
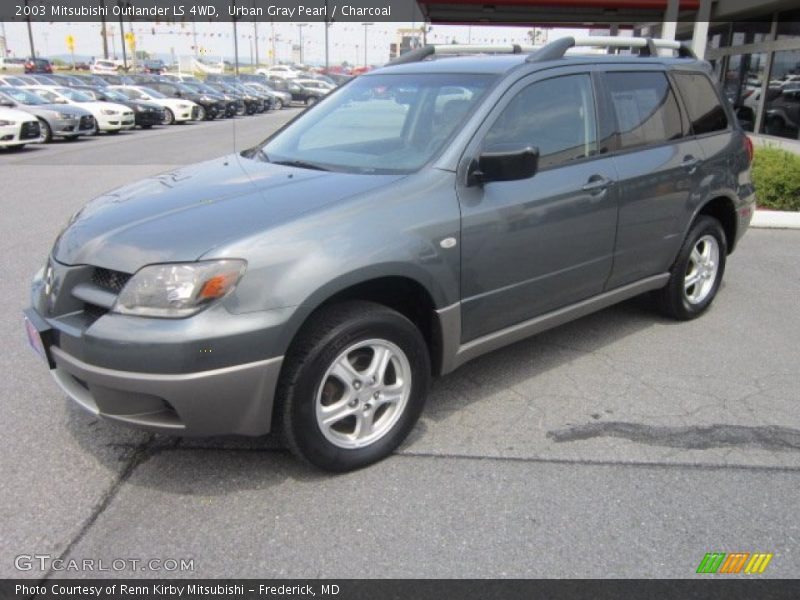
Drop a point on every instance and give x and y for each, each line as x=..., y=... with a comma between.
x=184, y=105
x=108, y=111
x=179, y=289
x=138, y=108
x=66, y=116
x=5, y=123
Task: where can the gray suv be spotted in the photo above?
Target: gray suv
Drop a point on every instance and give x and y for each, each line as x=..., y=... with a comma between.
x=416, y=218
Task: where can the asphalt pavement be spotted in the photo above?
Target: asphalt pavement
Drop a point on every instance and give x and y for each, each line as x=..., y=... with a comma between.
x=619, y=445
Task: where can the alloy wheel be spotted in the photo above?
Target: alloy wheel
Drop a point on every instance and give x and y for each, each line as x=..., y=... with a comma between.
x=701, y=270
x=363, y=393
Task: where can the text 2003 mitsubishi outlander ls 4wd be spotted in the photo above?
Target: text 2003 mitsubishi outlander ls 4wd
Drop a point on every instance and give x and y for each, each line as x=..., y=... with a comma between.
x=419, y=216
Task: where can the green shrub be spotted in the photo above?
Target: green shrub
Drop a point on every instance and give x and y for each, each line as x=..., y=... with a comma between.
x=776, y=175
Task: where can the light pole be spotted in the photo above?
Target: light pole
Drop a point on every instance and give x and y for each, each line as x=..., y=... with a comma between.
x=300, y=32
x=366, y=28
x=121, y=5
x=30, y=32
x=103, y=31
x=327, y=24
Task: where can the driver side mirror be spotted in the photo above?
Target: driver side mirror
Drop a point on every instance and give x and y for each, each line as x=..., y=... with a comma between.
x=505, y=162
x=7, y=103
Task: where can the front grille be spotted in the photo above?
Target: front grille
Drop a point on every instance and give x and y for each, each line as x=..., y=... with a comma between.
x=113, y=281
x=93, y=312
x=87, y=122
x=30, y=130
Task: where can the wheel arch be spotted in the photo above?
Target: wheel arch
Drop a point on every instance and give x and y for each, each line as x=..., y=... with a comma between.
x=723, y=209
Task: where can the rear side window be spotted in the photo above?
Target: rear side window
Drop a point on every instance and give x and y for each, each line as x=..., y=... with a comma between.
x=702, y=103
x=646, y=109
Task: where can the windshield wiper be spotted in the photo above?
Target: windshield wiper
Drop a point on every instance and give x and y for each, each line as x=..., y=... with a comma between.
x=302, y=164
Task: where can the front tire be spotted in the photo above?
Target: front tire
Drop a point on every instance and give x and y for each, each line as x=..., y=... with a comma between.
x=169, y=117
x=697, y=273
x=278, y=104
x=46, y=131
x=353, y=386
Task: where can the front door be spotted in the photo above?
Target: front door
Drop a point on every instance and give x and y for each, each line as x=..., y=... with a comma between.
x=532, y=246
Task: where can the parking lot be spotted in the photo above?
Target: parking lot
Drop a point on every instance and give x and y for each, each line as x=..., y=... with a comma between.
x=620, y=445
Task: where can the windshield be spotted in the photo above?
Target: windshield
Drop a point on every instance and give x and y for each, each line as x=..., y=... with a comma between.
x=115, y=95
x=139, y=94
x=22, y=96
x=380, y=123
x=73, y=95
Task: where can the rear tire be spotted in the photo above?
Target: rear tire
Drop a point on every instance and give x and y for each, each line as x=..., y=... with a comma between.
x=363, y=363
x=697, y=273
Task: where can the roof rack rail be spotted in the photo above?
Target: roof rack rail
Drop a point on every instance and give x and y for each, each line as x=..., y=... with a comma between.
x=456, y=49
x=647, y=46
x=554, y=50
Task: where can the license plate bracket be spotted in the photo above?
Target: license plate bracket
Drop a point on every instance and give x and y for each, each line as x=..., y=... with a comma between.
x=40, y=336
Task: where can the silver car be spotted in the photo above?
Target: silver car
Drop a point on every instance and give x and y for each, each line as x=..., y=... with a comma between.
x=55, y=120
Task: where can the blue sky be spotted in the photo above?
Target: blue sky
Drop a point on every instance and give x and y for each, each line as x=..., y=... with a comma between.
x=346, y=39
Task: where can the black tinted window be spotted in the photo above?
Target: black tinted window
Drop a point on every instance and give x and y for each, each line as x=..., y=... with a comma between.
x=556, y=116
x=702, y=103
x=646, y=109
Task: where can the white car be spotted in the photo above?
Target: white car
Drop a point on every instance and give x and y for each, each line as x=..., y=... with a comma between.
x=282, y=71
x=18, y=128
x=176, y=110
x=102, y=66
x=110, y=117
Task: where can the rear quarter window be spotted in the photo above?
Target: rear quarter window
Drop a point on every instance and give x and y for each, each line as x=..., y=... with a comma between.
x=645, y=108
x=702, y=103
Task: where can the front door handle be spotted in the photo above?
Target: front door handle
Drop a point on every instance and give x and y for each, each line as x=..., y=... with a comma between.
x=690, y=163
x=597, y=184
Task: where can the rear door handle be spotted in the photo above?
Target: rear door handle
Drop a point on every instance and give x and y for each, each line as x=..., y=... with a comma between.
x=597, y=184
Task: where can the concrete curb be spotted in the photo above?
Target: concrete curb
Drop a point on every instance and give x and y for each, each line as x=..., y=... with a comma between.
x=775, y=219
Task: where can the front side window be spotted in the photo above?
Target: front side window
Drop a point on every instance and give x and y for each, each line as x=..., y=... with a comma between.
x=702, y=102
x=646, y=110
x=556, y=116
x=381, y=123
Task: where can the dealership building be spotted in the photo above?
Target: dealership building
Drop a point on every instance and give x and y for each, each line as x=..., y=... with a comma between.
x=753, y=45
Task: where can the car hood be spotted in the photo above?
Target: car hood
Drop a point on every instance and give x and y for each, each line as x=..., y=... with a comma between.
x=67, y=109
x=183, y=214
x=102, y=105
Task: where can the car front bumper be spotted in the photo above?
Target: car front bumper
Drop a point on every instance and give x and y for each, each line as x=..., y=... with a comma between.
x=232, y=400
x=73, y=127
x=210, y=374
x=149, y=118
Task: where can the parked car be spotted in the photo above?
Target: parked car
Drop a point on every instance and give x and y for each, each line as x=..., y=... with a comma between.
x=12, y=64
x=146, y=114
x=88, y=79
x=211, y=106
x=298, y=92
x=176, y=110
x=425, y=214
x=180, y=77
x=120, y=79
x=154, y=66
x=252, y=104
x=102, y=66
x=12, y=80
x=44, y=79
x=279, y=71
x=782, y=115
x=68, y=80
x=38, y=65
x=17, y=128
x=55, y=120
x=280, y=98
x=231, y=105
x=110, y=117
x=315, y=84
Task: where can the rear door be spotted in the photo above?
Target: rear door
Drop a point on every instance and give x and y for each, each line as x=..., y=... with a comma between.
x=534, y=245
x=659, y=166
